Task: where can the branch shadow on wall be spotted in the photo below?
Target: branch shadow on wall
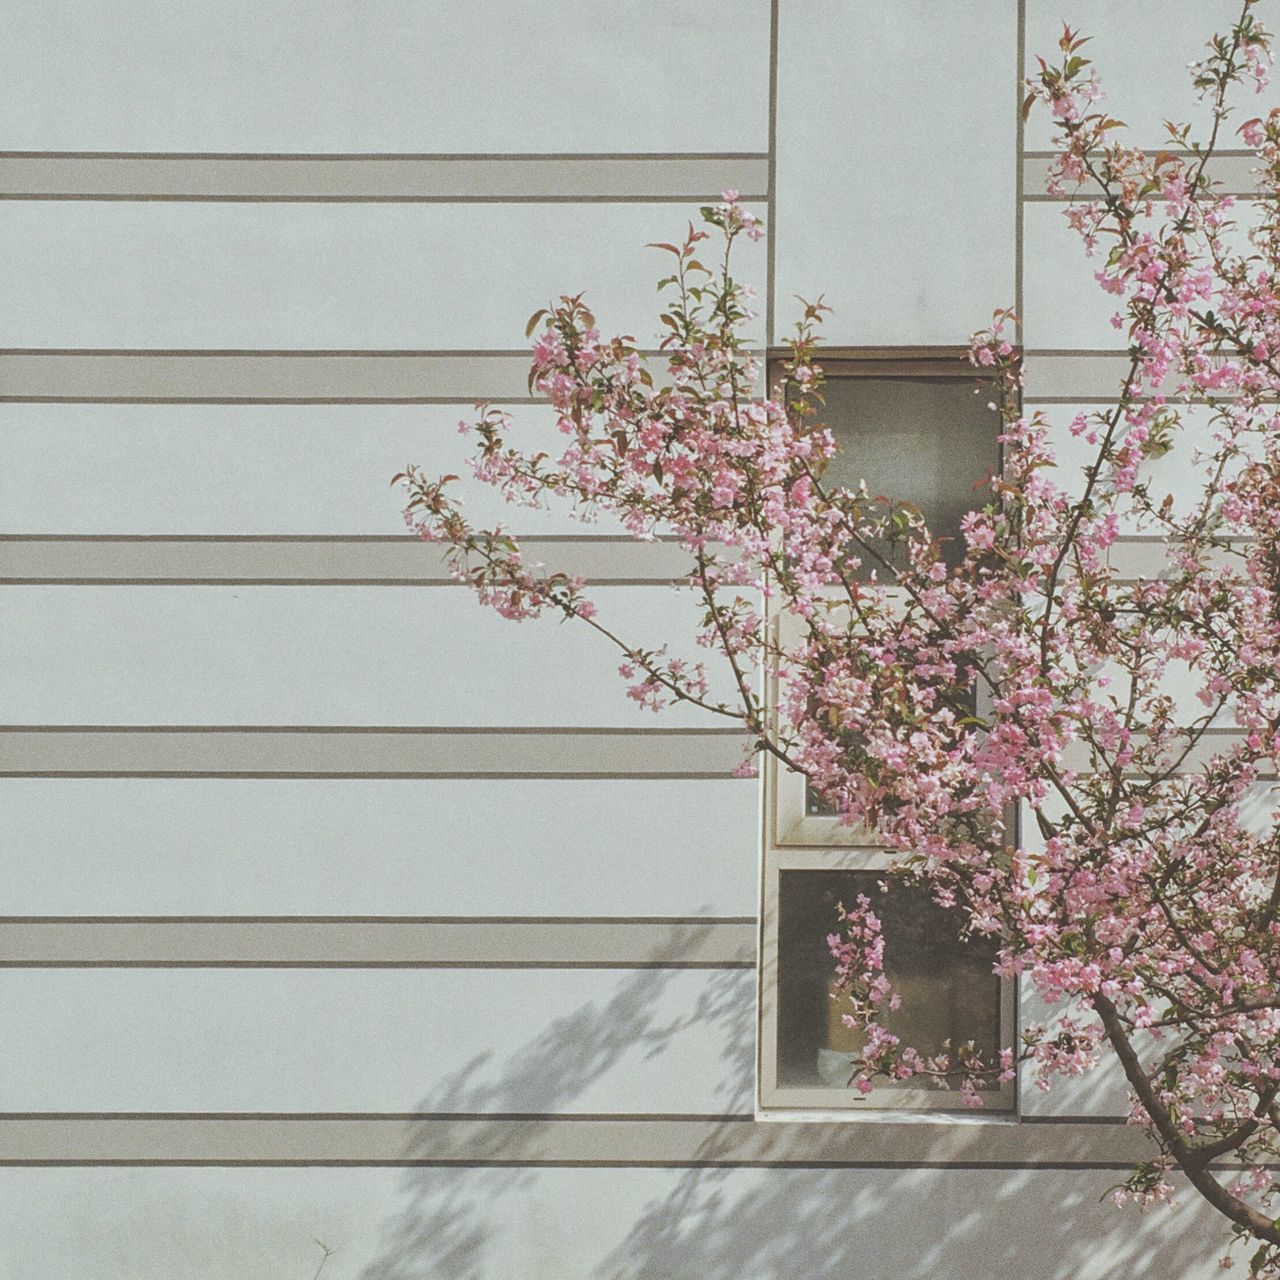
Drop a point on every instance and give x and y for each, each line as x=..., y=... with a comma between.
x=743, y=1223
x=445, y=1225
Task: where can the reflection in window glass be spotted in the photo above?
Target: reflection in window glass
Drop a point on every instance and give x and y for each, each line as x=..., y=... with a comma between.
x=924, y=440
x=948, y=989
x=814, y=805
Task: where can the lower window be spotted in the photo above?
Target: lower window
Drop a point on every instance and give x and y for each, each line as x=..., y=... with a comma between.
x=947, y=988
x=948, y=991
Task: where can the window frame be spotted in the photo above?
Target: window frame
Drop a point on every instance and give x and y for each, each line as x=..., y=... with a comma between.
x=794, y=840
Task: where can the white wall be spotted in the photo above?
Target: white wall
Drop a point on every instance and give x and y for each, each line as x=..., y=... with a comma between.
x=322, y=656
x=895, y=194
x=585, y=1224
x=327, y=276
x=306, y=75
x=1140, y=53
x=326, y=846
x=237, y=469
x=377, y=1040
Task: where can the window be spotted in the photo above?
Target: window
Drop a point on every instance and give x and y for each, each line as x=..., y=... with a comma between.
x=911, y=426
x=914, y=427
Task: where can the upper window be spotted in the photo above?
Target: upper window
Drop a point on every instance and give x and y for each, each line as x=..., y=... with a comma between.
x=910, y=425
x=914, y=427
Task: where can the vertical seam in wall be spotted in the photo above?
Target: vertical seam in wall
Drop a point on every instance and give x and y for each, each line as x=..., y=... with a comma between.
x=1020, y=144
x=763, y=811
x=772, y=243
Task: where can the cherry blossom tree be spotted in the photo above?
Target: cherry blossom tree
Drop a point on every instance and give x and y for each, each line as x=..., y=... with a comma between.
x=1130, y=716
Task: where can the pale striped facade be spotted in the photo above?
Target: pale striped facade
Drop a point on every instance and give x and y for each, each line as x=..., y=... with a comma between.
x=336, y=908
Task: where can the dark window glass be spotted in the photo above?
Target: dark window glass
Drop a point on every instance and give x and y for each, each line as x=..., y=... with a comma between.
x=947, y=987
x=814, y=805
x=924, y=440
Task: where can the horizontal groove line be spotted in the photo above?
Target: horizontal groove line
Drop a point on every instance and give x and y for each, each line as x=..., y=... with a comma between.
x=1046, y=1166
x=592, y=579
x=469, y=730
x=1224, y=153
x=467, y=156
x=388, y=920
x=1155, y=539
x=267, y=400
x=379, y=964
x=577, y=1117
x=1086, y=198
x=415, y=353
x=150, y=198
x=495, y=1140
x=378, y=539
x=1054, y=1119
x=442, y=352
x=279, y=560
x=384, y=775
x=391, y=539
x=386, y=562
x=1073, y=353
x=430, y=353
x=377, y=943
x=368, y=753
